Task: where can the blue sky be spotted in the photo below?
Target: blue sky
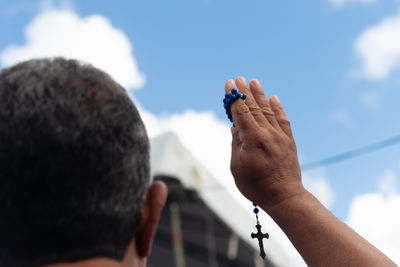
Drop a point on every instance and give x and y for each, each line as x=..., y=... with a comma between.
x=304, y=51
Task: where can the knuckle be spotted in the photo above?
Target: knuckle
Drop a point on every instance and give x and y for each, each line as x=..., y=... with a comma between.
x=254, y=108
x=243, y=109
x=284, y=121
x=267, y=112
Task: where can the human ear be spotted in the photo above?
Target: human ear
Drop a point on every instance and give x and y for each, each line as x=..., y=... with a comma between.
x=155, y=201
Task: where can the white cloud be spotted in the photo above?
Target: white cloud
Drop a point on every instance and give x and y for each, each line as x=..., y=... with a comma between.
x=208, y=138
x=377, y=219
x=342, y=115
x=95, y=40
x=376, y=216
x=370, y=100
x=388, y=182
x=91, y=39
x=319, y=186
x=378, y=49
x=341, y=3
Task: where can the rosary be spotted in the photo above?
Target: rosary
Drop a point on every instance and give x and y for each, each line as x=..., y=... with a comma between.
x=228, y=100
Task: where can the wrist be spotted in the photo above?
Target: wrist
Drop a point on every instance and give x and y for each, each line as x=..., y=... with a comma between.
x=287, y=199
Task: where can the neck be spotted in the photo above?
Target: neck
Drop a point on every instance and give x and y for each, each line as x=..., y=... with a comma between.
x=98, y=261
x=131, y=259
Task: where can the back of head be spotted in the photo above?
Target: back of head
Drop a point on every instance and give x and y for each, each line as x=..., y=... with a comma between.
x=74, y=164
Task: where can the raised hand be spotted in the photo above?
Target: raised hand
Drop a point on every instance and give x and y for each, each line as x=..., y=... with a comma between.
x=266, y=170
x=264, y=157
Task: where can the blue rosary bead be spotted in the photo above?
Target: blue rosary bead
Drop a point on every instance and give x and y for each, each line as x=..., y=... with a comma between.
x=256, y=210
x=229, y=99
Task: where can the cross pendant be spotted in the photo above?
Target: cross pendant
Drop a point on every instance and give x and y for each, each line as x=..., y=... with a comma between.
x=259, y=235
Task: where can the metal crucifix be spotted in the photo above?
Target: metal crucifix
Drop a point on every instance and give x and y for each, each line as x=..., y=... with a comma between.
x=259, y=235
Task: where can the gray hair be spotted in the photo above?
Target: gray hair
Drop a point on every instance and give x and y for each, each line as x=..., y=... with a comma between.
x=74, y=164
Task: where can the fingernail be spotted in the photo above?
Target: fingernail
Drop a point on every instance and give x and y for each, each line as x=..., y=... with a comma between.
x=276, y=98
x=254, y=82
x=242, y=79
x=231, y=83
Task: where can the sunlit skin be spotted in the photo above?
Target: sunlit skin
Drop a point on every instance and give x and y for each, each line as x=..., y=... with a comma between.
x=265, y=166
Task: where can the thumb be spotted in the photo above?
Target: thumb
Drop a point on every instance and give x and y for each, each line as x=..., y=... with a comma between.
x=236, y=145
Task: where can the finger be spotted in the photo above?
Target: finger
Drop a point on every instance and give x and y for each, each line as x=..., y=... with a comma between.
x=229, y=85
x=236, y=146
x=280, y=115
x=236, y=143
x=241, y=114
x=262, y=102
x=251, y=103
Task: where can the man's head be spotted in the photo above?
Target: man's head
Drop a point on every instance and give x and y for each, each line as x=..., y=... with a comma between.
x=74, y=164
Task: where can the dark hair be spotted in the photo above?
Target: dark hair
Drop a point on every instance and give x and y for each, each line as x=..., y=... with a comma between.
x=74, y=164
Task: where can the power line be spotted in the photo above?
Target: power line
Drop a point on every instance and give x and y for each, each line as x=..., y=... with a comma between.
x=329, y=160
x=352, y=153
